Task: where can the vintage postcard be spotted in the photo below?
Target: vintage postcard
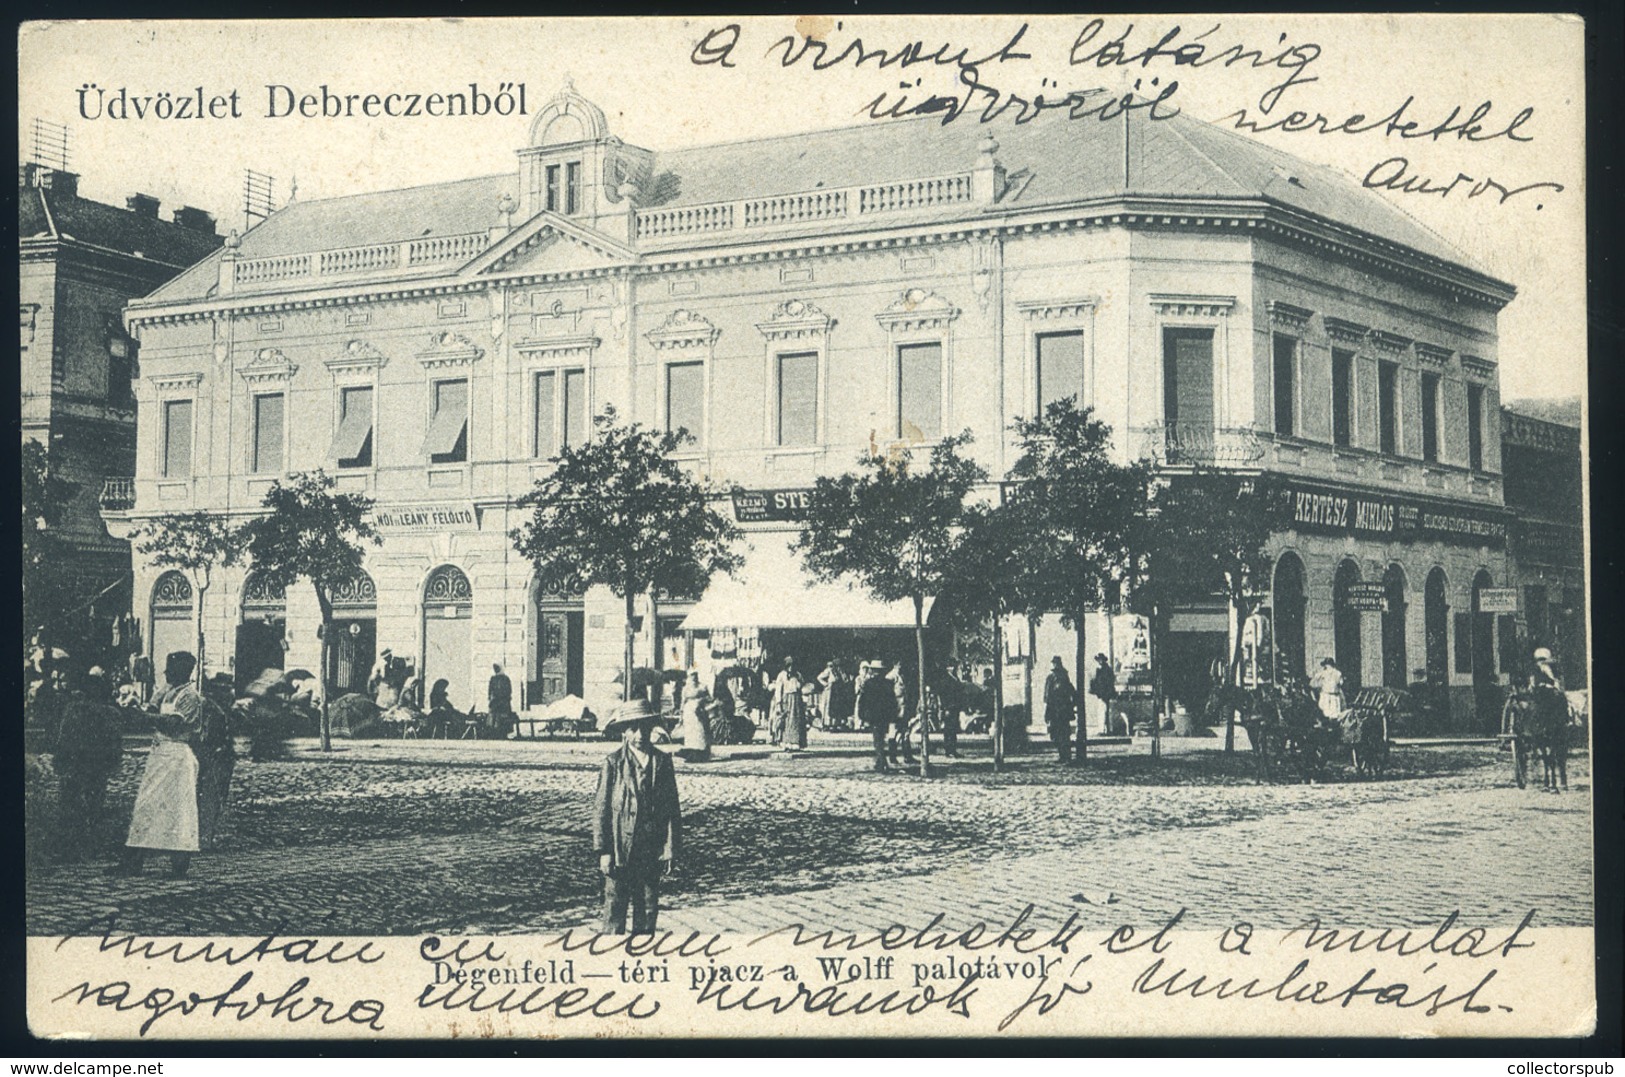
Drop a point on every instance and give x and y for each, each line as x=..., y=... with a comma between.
x=822, y=526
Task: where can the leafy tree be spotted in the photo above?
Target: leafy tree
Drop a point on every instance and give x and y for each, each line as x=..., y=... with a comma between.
x=1203, y=536
x=196, y=543
x=1075, y=511
x=620, y=512
x=987, y=568
x=310, y=532
x=897, y=529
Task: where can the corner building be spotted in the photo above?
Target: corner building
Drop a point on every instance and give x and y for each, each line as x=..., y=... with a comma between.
x=795, y=301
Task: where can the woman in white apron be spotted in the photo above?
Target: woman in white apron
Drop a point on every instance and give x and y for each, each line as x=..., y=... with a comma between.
x=165, y=818
x=1329, y=683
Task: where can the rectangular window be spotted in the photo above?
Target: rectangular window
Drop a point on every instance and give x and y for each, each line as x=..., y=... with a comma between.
x=1187, y=377
x=268, y=414
x=919, y=390
x=1060, y=368
x=545, y=442
x=352, y=442
x=685, y=398
x=177, y=439
x=572, y=187
x=1430, y=417
x=798, y=399
x=1475, y=427
x=1388, y=407
x=1286, y=381
x=120, y=372
x=575, y=409
x=1342, y=397
x=447, y=442
x=552, y=188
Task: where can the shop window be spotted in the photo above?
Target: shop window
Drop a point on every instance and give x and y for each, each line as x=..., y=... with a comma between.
x=268, y=427
x=177, y=441
x=447, y=442
x=1430, y=417
x=919, y=390
x=685, y=398
x=352, y=442
x=798, y=399
x=1060, y=368
x=1342, y=397
x=1187, y=377
x=1475, y=427
x=1388, y=407
x=1286, y=365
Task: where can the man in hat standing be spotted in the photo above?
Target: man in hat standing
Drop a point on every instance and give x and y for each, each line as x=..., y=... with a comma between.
x=877, y=709
x=1103, y=686
x=636, y=822
x=1060, y=705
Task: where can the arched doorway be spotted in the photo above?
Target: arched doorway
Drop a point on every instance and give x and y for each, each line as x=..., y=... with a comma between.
x=262, y=631
x=1436, y=619
x=448, y=611
x=1346, y=626
x=556, y=658
x=1486, y=693
x=173, y=626
x=1288, y=600
x=355, y=636
x=1394, y=671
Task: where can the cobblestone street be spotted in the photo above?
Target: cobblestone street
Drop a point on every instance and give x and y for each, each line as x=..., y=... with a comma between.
x=485, y=838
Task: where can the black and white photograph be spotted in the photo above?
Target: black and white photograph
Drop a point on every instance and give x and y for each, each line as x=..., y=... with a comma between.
x=820, y=526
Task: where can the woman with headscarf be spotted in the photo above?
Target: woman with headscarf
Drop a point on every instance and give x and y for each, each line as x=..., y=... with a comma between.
x=165, y=817
x=789, y=709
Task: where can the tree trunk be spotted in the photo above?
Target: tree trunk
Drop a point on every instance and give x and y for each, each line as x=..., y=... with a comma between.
x=1153, y=643
x=197, y=622
x=919, y=706
x=324, y=722
x=998, y=690
x=1232, y=675
x=1080, y=658
x=626, y=693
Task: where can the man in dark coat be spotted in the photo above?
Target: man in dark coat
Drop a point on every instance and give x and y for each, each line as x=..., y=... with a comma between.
x=499, y=701
x=1060, y=704
x=877, y=709
x=1103, y=686
x=636, y=822
x=89, y=747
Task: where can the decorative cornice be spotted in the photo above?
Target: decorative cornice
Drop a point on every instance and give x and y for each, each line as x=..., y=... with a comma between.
x=917, y=309
x=1391, y=343
x=1206, y=306
x=1476, y=367
x=268, y=367
x=558, y=347
x=169, y=383
x=795, y=319
x=358, y=356
x=1432, y=354
x=683, y=329
x=1041, y=310
x=1346, y=332
x=449, y=350
x=1287, y=315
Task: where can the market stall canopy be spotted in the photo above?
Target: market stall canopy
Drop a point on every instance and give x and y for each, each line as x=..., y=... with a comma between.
x=774, y=590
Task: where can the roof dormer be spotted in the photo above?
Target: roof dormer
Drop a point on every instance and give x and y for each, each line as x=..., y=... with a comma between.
x=574, y=167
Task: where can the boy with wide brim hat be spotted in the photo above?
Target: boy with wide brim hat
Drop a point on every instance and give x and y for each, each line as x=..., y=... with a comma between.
x=637, y=822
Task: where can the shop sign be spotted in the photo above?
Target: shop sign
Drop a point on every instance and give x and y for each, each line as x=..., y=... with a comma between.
x=1343, y=511
x=426, y=518
x=761, y=506
x=1366, y=597
x=1498, y=600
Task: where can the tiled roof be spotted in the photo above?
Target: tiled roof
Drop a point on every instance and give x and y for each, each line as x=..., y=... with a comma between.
x=44, y=213
x=1063, y=162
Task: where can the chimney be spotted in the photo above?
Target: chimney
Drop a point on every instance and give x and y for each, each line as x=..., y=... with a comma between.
x=987, y=175
x=195, y=219
x=142, y=205
x=34, y=174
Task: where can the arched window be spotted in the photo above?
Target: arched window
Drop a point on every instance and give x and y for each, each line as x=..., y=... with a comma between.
x=1436, y=619
x=1288, y=600
x=1346, y=625
x=1394, y=673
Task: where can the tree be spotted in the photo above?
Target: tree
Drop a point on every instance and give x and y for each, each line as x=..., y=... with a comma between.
x=987, y=567
x=310, y=532
x=1074, y=511
x=1203, y=536
x=196, y=543
x=897, y=530
x=620, y=512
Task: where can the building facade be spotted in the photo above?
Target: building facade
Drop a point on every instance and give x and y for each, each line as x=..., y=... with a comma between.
x=795, y=302
x=80, y=262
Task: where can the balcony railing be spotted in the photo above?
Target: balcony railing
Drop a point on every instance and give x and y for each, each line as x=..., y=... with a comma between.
x=349, y=261
x=804, y=207
x=1201, y=444
x=118, y=494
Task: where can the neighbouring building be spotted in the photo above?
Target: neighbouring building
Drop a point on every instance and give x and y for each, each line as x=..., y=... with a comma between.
x=80, y=262
x=1543, y=467
x=796, y=301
